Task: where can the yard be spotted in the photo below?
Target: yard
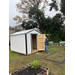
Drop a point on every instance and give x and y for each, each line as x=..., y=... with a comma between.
x=55, y=60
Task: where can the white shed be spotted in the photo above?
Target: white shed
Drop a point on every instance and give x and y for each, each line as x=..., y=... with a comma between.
x=27, y=41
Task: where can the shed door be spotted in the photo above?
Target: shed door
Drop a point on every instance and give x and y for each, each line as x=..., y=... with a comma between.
x=41, y=40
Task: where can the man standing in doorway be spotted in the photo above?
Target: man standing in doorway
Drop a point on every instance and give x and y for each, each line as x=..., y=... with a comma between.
x=46, y=45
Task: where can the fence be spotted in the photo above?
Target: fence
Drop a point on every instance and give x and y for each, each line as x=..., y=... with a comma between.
x=61, y=43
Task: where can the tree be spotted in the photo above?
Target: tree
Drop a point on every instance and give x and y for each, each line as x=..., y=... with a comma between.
x=33, y=17
x=57, y=21
x=55, y=4
x=62, y=6
x=37, y=17
x=29, y=24
x=24, y=6
x=56, y=28
x=18, y=19
x=53, y=26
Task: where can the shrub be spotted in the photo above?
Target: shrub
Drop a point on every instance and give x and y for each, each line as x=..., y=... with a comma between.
x=35, y=64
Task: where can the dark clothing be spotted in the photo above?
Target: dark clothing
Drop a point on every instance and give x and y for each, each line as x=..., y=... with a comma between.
x=46, y=45
x=46, y=42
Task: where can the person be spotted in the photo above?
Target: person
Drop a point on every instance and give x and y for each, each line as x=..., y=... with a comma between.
x=46, y=45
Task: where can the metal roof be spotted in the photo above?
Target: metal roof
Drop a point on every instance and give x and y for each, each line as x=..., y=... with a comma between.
x=23, y=32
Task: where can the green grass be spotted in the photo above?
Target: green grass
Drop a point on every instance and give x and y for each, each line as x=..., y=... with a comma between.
x=59, y=57
x=17, y=60
x=13, y=55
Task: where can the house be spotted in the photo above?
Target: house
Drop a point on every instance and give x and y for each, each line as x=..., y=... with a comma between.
x=27, y=41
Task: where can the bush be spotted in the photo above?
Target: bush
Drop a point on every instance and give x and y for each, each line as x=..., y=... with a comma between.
x=35, y=64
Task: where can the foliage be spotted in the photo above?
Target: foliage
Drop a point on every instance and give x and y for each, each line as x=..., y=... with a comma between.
x=56, y=28
x=38, y=17
x=18, y=19
x=49, y=37
x=34, y=18
x=55, y=4
x=29, y=24
x=35, y=64
x=62, y=6
x=24, y=6
x=53, y=26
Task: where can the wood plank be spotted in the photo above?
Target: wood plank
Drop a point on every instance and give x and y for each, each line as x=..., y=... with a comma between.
x=41, y=40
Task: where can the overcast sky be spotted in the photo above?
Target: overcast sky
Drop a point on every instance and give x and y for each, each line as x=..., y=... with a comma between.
x=13, y=12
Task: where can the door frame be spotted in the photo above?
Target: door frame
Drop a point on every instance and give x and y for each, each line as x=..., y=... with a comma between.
x=36, y=42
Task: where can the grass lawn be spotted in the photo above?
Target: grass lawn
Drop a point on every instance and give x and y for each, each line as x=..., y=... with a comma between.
x=17, y=61
x=58, y=57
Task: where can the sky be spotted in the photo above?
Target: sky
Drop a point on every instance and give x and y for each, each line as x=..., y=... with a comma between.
x=13, y=12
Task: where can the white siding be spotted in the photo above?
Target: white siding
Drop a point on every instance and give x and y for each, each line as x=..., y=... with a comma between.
x=29, y=40
x=18, y=43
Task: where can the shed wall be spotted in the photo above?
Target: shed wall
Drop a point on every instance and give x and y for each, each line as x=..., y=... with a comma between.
x=18, y=43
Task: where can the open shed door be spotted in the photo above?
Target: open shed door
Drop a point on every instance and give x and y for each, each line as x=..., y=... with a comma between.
x=41, y=40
